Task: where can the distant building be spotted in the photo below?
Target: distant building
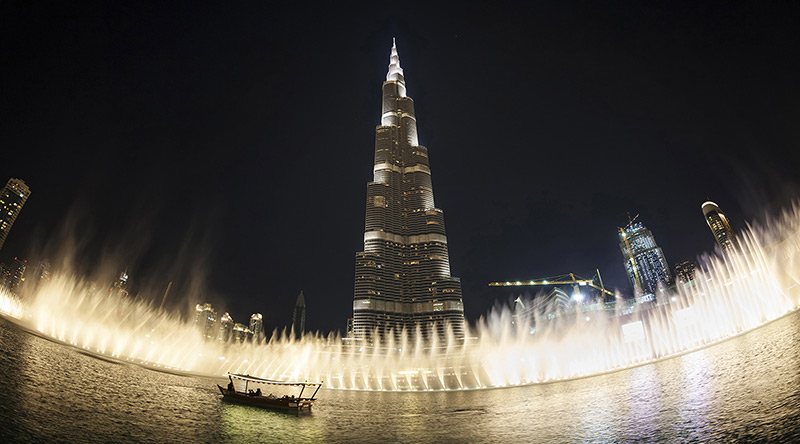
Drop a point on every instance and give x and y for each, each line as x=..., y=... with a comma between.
x=644, y=260
x=684, y=272
x=12, y=198
x=225, y=328
x=42, y=271
x=205, y=320
x=241, y=333
x=257, y=326
x=299, y=316
x=349, y=328
x=4, y=271
x=720, y=226
x=120, y=286
x=548, y=306
x=15, y=276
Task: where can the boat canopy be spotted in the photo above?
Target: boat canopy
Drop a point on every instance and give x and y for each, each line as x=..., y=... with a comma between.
x=270, y=381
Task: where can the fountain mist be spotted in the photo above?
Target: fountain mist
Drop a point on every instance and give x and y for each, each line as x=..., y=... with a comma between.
x=730, y=295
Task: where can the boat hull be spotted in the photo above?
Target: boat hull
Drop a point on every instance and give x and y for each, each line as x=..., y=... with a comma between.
x=263, y=401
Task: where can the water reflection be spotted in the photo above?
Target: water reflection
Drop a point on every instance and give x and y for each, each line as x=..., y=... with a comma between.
x=697, y=390
x=242, y=423
x=744, y=389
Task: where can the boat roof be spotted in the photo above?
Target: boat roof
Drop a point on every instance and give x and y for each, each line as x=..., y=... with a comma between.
x=270, y=381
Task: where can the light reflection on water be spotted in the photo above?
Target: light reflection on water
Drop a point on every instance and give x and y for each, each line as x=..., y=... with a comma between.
x=743, y=389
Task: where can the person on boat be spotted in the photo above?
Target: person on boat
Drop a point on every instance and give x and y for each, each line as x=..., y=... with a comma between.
x=258, y=391
x=251, y=392
x=230, y=387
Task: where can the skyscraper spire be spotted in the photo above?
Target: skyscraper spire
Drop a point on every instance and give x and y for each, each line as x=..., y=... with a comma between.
x=395, y=71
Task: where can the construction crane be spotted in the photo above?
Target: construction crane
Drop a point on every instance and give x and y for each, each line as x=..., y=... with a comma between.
x=564, y=279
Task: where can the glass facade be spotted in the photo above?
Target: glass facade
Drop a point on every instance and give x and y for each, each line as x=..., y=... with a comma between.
x=644, y=261
x=403, y=276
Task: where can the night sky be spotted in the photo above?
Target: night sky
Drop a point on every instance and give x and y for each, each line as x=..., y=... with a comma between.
x=227, y=147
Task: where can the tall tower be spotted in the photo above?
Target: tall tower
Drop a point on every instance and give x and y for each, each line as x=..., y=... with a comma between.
x=720, y=226
x=644, y=260
x=12, y=198
x=299, y=316
x=403, y=275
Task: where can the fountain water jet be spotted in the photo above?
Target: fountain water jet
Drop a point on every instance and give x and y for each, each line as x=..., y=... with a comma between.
x=730, y=295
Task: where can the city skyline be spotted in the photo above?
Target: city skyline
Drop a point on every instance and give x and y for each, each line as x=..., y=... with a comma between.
x=548, y=126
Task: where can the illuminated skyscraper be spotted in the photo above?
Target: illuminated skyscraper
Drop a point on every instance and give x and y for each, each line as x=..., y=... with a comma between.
x=684, y=272
x=720, y=226
x=225, y=328
x=349, y=328
x=644, y=260
x=12, y=198
x=42, y=272
x=120, y=286
x=403, y=275
x=241, y=333
x=14, y=275
x=299, y=316
x=257, y=326
x=205, y=320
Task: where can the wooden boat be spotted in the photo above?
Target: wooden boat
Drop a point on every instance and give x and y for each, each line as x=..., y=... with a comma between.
x=241, y=390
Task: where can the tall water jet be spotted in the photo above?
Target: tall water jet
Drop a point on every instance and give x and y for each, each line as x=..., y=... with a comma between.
x=746, y=288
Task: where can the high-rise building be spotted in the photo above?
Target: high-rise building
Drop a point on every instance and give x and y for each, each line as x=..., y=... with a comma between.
x=644, y=260
x=257, y=326
x=551, y=305
x=349, y=328
x=12, y=198
x=42, y=272
x=120, y=286
x=241, y=333
x=402, y=277
x=5, y=272
x=225, y=328
x=16, y=275
x=720, y=226
x=299, y=316
x=684, y=272
x=205, y=320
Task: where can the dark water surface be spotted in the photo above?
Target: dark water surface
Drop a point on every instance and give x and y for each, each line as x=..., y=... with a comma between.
x=745, y=389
